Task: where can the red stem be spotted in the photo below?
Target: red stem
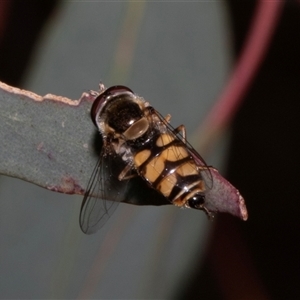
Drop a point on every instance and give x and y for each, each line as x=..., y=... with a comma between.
x=262, y=28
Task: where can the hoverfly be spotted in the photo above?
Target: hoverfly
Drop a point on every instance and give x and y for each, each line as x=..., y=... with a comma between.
x=140, y=146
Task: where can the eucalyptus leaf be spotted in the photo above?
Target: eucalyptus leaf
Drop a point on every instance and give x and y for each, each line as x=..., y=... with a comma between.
x=46, y=140
x=51, y=141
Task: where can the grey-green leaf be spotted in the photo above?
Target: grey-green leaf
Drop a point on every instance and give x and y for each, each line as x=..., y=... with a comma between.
x=50, y=141
x=46, y=140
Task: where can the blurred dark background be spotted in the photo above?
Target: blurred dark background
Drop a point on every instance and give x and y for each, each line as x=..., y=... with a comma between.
x=258, y=259
x=263, y=163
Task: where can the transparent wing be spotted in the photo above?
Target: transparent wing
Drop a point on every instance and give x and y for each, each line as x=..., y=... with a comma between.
x=205, y=169
x=200, y=162
x=220, y=195
x=104, y=193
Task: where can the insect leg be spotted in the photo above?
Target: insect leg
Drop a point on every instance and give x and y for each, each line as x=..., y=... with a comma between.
x=168, y=118
x=124, y=174
x=209, y=214
x=181, y=129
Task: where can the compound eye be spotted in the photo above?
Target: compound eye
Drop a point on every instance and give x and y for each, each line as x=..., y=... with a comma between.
x=197, y=201
x=116, y=89
x=103, y=97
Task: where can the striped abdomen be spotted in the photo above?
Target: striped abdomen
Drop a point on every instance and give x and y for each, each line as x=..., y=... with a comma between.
x=170, y=169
